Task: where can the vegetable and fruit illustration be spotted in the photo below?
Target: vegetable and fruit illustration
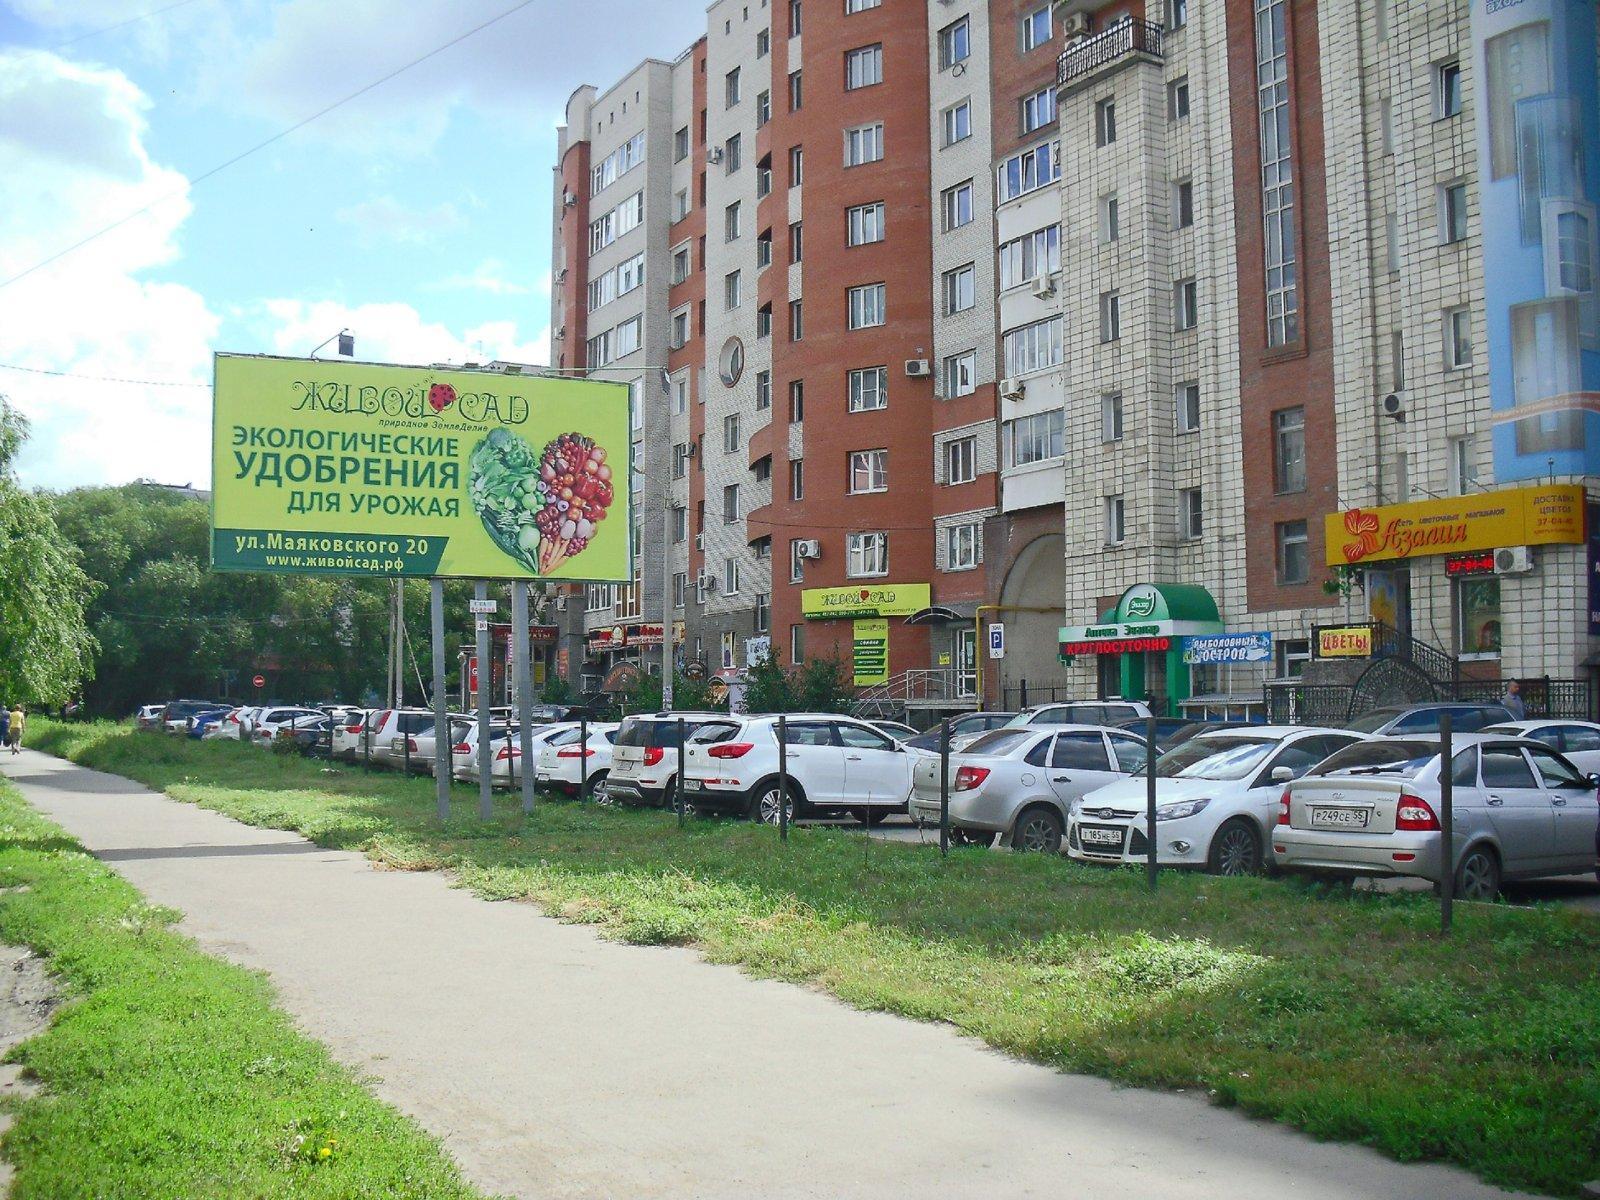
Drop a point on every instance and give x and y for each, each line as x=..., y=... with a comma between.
x=540, y=509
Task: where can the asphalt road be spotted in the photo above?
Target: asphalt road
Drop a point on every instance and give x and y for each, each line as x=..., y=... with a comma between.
x=555, y=1064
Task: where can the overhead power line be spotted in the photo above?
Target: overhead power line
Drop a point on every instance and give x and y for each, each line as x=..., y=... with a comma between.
x=103, y=378
x=263, y=144
x=155, y=12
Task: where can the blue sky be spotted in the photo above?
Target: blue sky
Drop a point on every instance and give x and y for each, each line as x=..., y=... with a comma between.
x=418, y=215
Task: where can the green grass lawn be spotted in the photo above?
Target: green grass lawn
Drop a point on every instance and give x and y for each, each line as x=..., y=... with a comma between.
x=1343, y=1014
x=169, y=1073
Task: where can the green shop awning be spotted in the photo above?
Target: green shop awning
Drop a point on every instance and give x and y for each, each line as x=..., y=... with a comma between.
x=1164, y=602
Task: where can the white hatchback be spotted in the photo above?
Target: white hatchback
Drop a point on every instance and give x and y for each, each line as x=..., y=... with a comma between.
x=1216, y=800
x=564, y=766
x=644, y=764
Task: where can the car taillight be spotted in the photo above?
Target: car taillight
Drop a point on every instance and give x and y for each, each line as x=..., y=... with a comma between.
x=1283, y=808
x=574, y=752
x=653, y=755
x=1414, y=813
x=507, y=752
x=411, y=745
x=352, y=730
x=461, y=748
x=730, y=749
x=234, y=717
x=968, y=778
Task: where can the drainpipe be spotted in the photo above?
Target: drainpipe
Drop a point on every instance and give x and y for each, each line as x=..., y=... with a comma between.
x=979, y=650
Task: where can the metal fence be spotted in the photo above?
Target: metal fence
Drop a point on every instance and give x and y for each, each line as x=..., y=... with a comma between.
x=1091, y=54
x=1336, y=703
x=1027, y=693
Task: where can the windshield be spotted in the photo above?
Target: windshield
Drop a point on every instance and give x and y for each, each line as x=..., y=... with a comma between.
x=1215, y=758
x=1403, y=758
x=1374, y=720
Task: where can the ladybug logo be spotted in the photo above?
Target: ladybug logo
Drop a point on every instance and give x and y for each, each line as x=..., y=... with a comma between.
x=441, y=396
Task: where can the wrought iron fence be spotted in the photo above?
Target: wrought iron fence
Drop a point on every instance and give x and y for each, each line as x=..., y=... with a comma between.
x=1563, y=699
x=1123, y=38
x=1026, y=693
x=1308, y=703
x=1337, y=703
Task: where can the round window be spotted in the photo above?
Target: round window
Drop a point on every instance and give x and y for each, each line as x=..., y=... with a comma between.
x=731, y=364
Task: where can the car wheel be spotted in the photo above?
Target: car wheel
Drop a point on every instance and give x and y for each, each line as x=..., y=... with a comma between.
x=764, y=805
x=972, y=837
x=1478, y=876
x=1236, y=850
x=595, y=789
x=1038, y=829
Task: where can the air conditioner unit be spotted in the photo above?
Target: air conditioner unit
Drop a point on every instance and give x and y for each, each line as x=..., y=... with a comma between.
x=1513, y=560
x=569, y=200
x=1077, y=24
x=810, y=548
x=561, y=604
x=691, y=449
x=1012, y=389
x=917, y=368
x=1394, y=406
x=1045, y=286
x=561, y=275
x=714, y=155
x=561, y=333
x=700, y=541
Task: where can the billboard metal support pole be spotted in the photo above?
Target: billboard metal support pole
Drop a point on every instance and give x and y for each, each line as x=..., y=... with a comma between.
x=1151, y=866
x=666, y=611
x=480, y=591
x=441, y=719
x=1447, y=826
x=677, y=788
x=783, y=778
x=524, y=677
x=944, y=788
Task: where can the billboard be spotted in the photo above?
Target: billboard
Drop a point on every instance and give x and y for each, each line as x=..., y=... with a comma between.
x=371, y=469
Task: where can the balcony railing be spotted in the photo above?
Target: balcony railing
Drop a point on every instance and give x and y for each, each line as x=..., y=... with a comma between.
x=1121, y=40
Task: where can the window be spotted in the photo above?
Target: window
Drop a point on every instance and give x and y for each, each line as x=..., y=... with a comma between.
x=731, y=290
x=1110, y=218
x=1574, y=252
x=1386, y=123
x=1038, y=110
x=620, y=220
x=764, y=249
x=1182, y=204
x=1116, y=513
x=855, y=6
x=1189, y=507
x=1391, y=236
x=1030, y=257
x=1036, y=29
x=730, y=434
x=1033, y=439
x=1033, y=347
x=616, y=164
x=763, y=108
x=956, y=205
x=796, y=242
x=1446, y=90
x=797, y=644
x=1111, y=417
x=1177, y=15
x=863, y=144
x=1277, y=174
x=762, y=469
x=955, y=43
x=727, y=649
x=797, y=479
x=867, y=554
x=680, y=460
x=680, y=524
x=730, y=222
x=680, y=589
x=863, y=224
x=869, y=471
x=1186, y=403
x=680, y=392
x=1178, y=99
x=598, y=596
x=1026, y=172
x=1289, y=449
x=794, y=18
x=957, y=121
x=1453, y=213
x=1105, y=122
x=961, y=460
x=602, y=291
x=1294, y=553
x=958, y=286
x=1185, y=305
x=869, y=389
x=1463, y=465
x=797, y=401
x=733, y=154
x=597, y=351
x=958, y=372
x=1457, y=338
x=961, y=547
x=764, y=321
x=680, y=264
x=730, y=504
x=680, y=204
x=764, y=177
x=763, y=611
x=680, y=144
x=626, y=339
x=763, y=390
x=866, y=305
x=730, y=88
x=1478, y=617
x=863, y=67
x=763, y=42
x=730, y=577
x=1397, y=359
x=796, y=166
x=1110, y=316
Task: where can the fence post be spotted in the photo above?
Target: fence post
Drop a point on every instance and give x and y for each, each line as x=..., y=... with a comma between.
x=1447, y=825
x=1151, y=867
x=944, y=788
x=677, y=790
x=783, y=778
x=1022, y=694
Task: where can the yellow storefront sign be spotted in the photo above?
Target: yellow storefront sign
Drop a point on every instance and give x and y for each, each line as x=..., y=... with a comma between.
x=1528, y=516
x=871, y=651
x=369, y=469
x=883, y=600
x=1344, y=641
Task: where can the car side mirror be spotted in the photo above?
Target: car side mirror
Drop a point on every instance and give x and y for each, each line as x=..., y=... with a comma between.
x=1282, y=774
x=1594, y=780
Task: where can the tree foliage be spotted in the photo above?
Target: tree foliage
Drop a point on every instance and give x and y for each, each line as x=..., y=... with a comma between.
x=45, y=646
x=818, y=685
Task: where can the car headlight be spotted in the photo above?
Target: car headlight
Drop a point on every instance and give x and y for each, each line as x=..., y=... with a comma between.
x=1183, y=808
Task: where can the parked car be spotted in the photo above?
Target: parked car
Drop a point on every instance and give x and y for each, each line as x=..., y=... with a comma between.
x=1579, y=741
x=505, y=767
x=388, y=729
x=1020, y=783
x=349, y=735
x=963, y=730
x=898, y=730
x=1216, y=800
x=201, y=724
x=418, y=748
x=1175, y=731
x=562, y=761
x=464, y=745
x=1080, y=712
x=175, y=716
x=228, y=727
x=310, y=737
x=1424, y=718
x=266, y=722
x=835, y=764
x=644, y=762
x=1520, y=810
x=148, y=717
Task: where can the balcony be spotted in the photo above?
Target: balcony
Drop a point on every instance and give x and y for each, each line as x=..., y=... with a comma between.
x=1136, y=41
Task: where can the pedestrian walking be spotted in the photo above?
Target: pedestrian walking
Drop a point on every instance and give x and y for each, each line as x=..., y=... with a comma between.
x=1513, y=700
x=5, y=725
x=14, y=734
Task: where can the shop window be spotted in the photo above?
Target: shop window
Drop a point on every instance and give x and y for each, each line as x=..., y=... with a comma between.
x=1478, y=618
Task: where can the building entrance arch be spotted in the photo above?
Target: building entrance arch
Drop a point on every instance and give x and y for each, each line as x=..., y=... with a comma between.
x=1037, y=579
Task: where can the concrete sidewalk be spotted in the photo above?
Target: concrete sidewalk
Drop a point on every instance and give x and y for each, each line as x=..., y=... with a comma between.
x=555, y=1064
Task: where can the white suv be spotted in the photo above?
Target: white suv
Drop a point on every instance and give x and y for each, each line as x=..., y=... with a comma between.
x=1081, y=712
x=644, y=762
x=835, y=764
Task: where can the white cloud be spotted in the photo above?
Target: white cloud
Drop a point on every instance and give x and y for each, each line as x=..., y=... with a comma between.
x=90, y=313
x=397, y=332
x=488, y=276
x=387, y=218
